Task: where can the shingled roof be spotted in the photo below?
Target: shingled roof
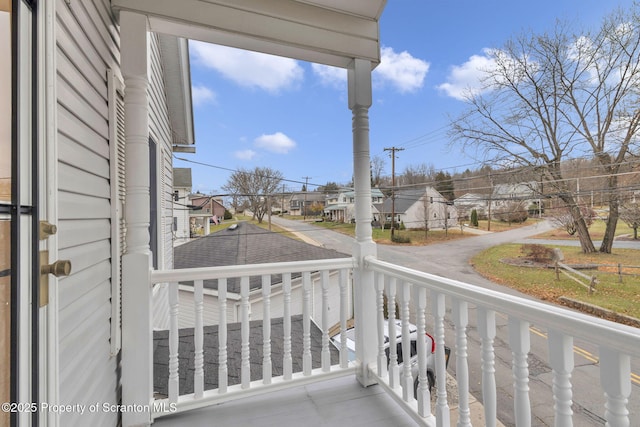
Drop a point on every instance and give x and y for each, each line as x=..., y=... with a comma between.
x=247, y=244
x=234, y=342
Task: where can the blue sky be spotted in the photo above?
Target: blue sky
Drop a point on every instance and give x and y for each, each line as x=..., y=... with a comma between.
x=257, y=110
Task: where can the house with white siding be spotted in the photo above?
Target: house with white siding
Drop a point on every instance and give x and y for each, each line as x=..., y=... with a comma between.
x=340, y=206
x=94, y=98
x=181, y=190
x=78, y=143
x=419, y=209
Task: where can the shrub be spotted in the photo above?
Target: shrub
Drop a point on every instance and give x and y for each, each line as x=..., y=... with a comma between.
x=512, y=212
x=537, y=253
x=400, y=239
x=227, y=214
x=474, y=218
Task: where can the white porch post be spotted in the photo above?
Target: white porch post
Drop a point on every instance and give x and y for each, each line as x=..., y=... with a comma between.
x=364, y=300
x=136, y=290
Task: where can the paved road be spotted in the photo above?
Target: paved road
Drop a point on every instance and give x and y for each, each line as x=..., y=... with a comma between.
x=451, y=259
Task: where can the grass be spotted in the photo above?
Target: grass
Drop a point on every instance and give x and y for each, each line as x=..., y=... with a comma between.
x=504, y=226
x=596, y=231
x=623, y=298
x=417, y=237
x=237, y=218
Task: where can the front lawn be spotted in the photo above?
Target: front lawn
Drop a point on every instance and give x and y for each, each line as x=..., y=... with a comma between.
x=416, y=237
x=623, y=298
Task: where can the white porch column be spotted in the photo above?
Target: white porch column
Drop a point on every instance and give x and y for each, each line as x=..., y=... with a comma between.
x=137, y=378
x=359, y=74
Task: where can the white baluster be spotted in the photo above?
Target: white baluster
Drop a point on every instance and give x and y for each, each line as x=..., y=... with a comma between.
x=306, y=323
x=266, y=329
x=394, y=374
x=245, y=368
x=615, y=377
x=173, y=343
x=562, y=363
x=223, y=369
x=287, y=369
x=382, y=358
x=406, y=379
x=461, y=319
x=520, y=342
x=326, y=354
x=423, y=395
x=487, y=330
x=198, y=341
x=443, y=416
x=344, y=315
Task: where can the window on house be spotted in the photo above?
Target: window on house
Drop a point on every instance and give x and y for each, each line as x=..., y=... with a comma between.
x=430, y=199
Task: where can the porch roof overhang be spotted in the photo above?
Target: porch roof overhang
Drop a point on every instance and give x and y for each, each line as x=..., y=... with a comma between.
x=331, y=32
x=175, y=61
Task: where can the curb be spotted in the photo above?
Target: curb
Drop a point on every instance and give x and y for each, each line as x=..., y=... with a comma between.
x=600, y=312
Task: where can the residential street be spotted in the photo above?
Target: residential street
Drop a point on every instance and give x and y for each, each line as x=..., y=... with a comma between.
x=451, y=260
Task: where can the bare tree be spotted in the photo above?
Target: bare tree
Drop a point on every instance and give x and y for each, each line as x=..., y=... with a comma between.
x=556, y=95
x=254, y=187
x=417, y=174
x=378, y=164
x=562, y=217
x=630, y=214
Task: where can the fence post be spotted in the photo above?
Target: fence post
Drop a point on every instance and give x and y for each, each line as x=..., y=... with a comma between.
x=557, y=271
x=619, y=273
x=592, y=284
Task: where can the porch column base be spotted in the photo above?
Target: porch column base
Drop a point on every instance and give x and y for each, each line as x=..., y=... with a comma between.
x=137, y=350
x=364, y=300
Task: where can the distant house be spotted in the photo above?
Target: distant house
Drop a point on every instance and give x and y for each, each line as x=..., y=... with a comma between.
x=250, y=244
x=420, y=208
x=526, y=193
x=204, y=209
x=308, y=199
x=467, y=203
x=181, y=190
x=340, y=207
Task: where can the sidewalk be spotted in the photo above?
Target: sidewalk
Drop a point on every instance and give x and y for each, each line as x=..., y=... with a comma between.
x=476, y=408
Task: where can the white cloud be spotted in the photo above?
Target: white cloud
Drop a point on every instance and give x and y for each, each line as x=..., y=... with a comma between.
x=401, y=70
x=245, y=154
x=202, y=95
x=467, y=79
x=486, y=72
x=249, y=69
x=331, y=76
x=276, y=143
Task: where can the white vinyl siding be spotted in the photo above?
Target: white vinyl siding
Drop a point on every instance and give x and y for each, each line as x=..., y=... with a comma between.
x=160, y=132
x=87, y=43
x=87, y=46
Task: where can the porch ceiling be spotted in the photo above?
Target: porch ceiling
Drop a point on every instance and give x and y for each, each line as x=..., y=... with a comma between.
x=331, y=32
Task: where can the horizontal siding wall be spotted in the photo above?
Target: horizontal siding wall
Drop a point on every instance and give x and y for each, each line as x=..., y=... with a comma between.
x=160, y=131
x=87, y=45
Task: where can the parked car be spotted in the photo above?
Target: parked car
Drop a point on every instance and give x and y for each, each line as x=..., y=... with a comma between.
x=413, y=334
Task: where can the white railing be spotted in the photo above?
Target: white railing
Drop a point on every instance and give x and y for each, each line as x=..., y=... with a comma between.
x=298, y=280
x=420, y=299
x=617, y=345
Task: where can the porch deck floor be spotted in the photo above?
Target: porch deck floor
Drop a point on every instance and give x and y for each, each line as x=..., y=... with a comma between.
x=340, y=401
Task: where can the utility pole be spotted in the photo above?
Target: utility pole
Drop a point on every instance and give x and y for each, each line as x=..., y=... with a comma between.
x=393, y=186
x=306, y=188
